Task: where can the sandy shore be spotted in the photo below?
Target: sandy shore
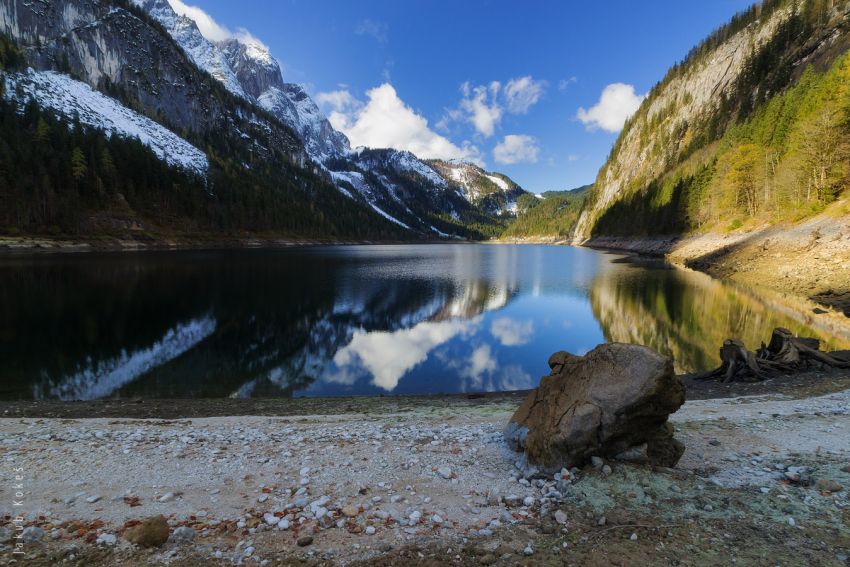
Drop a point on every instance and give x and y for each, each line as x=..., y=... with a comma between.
x=431, y=483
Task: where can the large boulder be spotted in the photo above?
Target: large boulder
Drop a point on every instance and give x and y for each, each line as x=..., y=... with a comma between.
x=613, y=402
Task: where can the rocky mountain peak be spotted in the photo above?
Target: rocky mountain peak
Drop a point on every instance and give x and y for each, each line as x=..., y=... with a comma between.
x=253, y=65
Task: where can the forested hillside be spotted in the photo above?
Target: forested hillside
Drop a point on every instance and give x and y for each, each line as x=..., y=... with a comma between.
x=62, y=179
x=554, y=213
x=766, y=142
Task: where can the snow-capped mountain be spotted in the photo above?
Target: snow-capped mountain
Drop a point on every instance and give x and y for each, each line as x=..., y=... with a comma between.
x=260, y=79
x=185, y=32
x=246, y=68
x=259, y=74
x=185, y=96
x=494, y=192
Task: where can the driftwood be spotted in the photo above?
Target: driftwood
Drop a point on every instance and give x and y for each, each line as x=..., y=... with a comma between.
x=784, y=354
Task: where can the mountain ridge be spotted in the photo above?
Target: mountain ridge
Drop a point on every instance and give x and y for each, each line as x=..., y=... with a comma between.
x=200, y=90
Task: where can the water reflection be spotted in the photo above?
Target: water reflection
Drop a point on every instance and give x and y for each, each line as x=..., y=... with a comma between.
x=343, y=320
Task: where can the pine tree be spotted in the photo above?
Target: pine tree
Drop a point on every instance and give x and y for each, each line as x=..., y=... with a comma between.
x=79, y=168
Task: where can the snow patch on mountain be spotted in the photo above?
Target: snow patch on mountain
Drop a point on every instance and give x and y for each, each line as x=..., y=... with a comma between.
x=501, y=183
x=388, y=216
x=185, y=32
x=406, y=161
x=476, y=184
x=353, y=178
x=70, y=98
x=295, y=108
x=103, y=378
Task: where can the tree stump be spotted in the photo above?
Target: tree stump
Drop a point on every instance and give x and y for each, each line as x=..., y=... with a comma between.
x=784, y=354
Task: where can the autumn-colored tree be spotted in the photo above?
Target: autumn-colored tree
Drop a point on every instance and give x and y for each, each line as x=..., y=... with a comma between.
x=744, y=176
x=823, y=149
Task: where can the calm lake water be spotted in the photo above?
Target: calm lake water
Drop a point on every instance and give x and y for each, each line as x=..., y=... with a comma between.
x=346, y=320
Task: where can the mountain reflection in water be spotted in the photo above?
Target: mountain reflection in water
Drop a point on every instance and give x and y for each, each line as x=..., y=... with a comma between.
x=346, y=320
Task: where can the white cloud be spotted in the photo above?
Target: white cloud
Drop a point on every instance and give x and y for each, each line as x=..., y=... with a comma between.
x=481, y=107
x=208, y=27
x=617, y=102
x=249, y=39
x=513, y=378
x=480, y=362
x=564, y=84
x=516, y=148
x=385, y=121
x=340, y=106
x=376, y=30
x=522, y=93
x=511, y=332
x=388, y=356
x=484, y=106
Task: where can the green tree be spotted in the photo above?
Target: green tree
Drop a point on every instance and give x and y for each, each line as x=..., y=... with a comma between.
x=79, y=167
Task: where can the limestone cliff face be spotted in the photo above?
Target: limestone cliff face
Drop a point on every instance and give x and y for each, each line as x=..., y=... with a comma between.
x=116, y=48
x=711, y=82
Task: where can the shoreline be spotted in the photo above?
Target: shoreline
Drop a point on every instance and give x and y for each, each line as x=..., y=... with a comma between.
x=809, y=260
x=819, y=248
x=14, y=246
x=797, y=386
x=431, y=483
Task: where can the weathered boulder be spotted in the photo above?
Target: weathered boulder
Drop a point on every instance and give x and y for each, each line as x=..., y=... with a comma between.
x=612, y=402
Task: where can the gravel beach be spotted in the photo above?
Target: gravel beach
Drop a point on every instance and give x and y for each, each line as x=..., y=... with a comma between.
x=763, y=481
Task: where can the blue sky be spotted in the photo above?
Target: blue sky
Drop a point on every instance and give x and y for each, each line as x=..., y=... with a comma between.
x=514, y=85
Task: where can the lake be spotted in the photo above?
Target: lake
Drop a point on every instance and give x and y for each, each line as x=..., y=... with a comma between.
x=347, y=320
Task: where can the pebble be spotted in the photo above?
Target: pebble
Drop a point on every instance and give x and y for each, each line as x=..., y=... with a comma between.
x=32, y=534
x=370, y=530
x=828, y=485
x=304, y=540
x=445, y=472
x=791, y=521
x=183, y=534
x=107, y=539
x=633, y=537
x=167, y=497
x=596, y=462
x=606, y=470
x=93, y=499
x=350, y=511
x=283, y=524
x=528, y=501
x=560, y=517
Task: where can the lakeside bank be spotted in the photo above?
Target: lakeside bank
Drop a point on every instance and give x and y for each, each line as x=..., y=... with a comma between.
x=430, y=481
